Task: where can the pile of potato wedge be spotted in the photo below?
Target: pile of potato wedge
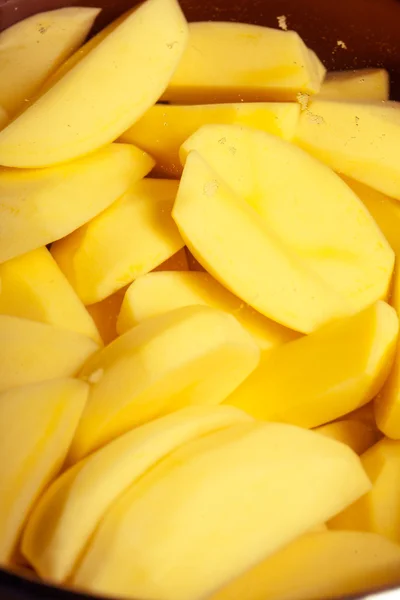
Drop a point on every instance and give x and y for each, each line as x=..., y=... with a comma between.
x=199, y=311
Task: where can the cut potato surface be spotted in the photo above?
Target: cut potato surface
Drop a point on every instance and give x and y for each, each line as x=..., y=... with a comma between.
x=235, y=62
x=31, y=352
x=40, y=206
x=379, y=510
x=69, y=511
x=104, y=93
x=37, y=424
x=361, y=84
x=356, y=139
x=353, y=258
x=323, y=376
x=320, y=565
x=130, y=238
x=238, y=480
x=157, y=293
x=193, y=355
x=33, y=48
x=164, y=128
x=33, y=287
x=356, y=434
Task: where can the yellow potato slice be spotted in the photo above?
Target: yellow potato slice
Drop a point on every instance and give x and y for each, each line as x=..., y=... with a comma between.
x=33, y=287
x=385, y=211
x=228, y=236
x=103, y=93
x=320, y=565
x=321, y=377
x=105, y=315
x=33, y=48
x=129, y=239
x=193, y=355
x=357, y=139
x=157, y=293
x=37, y=424
x=164, y=128
x=31, y=352
x=356, y=434
x=70, y=510
x=336, y=239
x=379, y=510
x=360, y=84
x=236, y=62
x=177, y=262
x=43, y=205
x=227, y=486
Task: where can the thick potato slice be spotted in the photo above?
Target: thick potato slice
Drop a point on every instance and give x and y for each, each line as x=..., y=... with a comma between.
x=236, y=62
x=37, y=424
x=164, y=128
x=320, y=565
x=129, y=239
x=361, y=84
x=385, y=211
x=103, y=93
x=193, y=355
x=70, y=510
x=157, y=293
x=33, y=287
x=379, y=510
x=321, y=377
x=40, y=206
x=238, y=481
x=336, y=239
x=33, y=48
x=358, y=435
x=357, y=139
x=31, y=352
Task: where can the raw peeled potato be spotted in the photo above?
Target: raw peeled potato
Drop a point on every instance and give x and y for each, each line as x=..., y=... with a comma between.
x=236, y=62
x=357, y=139
x=31, y=352
x=104, y=93
x=43, y=205
x=37, y=424
x=33, y=287
x=70, y=510
x=34, y=48
x=379, y=510
x=361, y=84
x=130, y=238
x=227, y=486
x=331, y=564
x=323, y=376
x=192, y=355
x=164, y=128
x=157, y=293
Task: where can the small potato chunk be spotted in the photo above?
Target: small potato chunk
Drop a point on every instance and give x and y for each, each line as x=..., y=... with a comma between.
x=37, y=424
x=360, y=84
x=68, y=513
x=34, y=48
x=357, y=139
x=130, y=238
x=236, y=62
x=33, y=287
x=31, y=352
x=228, y=486
x=164, y=128
x=379, y=510
x=103, y=92
x=321, y=377
x=40, y=206
x=192, y=355
x=157, y=293
x=320, y=565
